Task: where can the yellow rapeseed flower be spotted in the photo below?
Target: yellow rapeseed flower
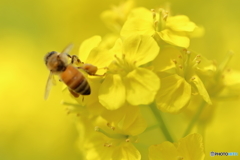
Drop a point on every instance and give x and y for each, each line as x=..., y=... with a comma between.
x=178, y=70
x=188, y=148
x=92, y=52
x=126, y=80
x=114, y=140
x=174, y=30
x=222, y=84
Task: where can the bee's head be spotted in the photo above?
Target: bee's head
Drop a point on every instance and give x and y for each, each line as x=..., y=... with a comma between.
x=54, y=62
x=49, y=55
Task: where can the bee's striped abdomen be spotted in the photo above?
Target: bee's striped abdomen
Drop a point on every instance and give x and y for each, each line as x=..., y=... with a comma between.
x=83, y=88
x=75, y=81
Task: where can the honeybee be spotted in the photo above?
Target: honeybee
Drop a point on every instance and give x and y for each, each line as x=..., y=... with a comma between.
x=58, y=64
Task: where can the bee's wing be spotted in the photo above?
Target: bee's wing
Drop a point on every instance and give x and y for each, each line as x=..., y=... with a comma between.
x=67, y=49
x=51, y=81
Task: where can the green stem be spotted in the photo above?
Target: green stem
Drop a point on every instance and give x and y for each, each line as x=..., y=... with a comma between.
x=195, y=119
x=162, y=125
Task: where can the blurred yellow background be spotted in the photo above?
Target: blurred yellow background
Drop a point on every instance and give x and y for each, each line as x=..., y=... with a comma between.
x=31, y=128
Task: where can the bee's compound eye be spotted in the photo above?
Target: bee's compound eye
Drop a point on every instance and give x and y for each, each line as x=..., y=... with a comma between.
x=49, y=54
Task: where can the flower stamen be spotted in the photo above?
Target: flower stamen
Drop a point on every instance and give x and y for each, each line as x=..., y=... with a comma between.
x=114, y=136
x=107, y=144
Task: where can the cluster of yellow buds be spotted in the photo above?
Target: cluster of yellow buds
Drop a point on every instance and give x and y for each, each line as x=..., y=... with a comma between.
x=147, y=68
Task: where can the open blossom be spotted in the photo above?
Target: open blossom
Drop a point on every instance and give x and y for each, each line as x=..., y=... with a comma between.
x=92, y=52
x=126, y=80
x=174, y=30
x=222, y=84
x=114, y=138
x=180, y=80
x=188, y=148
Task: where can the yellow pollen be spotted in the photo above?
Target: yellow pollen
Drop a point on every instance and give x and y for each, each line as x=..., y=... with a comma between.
x=113, y=128
x=107, y=144
x=193, y=78
x=174, y=61
x=199, y=61
x=154, y=14
x=180, y=158
x=110, y=126
x=97, y=129
x=164, y=14
x=152, y=10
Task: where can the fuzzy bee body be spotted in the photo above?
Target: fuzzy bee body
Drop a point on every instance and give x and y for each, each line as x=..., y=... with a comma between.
x=58, y=64
x=75, y=80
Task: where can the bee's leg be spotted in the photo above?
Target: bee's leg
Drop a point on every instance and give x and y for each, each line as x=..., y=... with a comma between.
x=92, y=71
x=82, y=98
x=99, y=74
x=103, y=68
x=74, y=58
x=69, y=55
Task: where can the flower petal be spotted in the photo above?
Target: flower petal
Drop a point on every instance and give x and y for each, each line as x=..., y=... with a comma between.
x=164, y=60
x=191, y=147
x=141, y=86
x=87, y=46
x=174, y=94
x=201, y=89
x=163, y=151
x=112, y=92
x=137, y=126
x=180, y=23
x=131, y=122
x=139, y=21
x=174, y=38
x=100, y=58
x=127, y=151
x=117, y=48
x=140, y=49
